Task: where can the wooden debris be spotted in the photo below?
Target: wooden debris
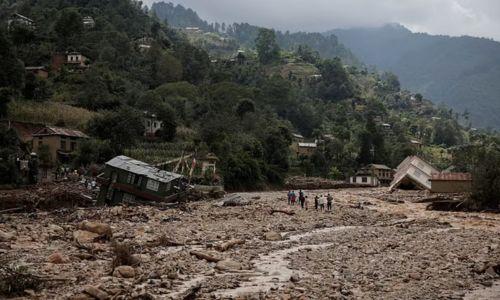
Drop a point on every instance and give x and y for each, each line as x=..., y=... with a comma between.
x=205, y=256
x=290, y=213
x=228, y=245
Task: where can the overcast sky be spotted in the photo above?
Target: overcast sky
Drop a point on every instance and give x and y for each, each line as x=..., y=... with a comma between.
x=451, y=17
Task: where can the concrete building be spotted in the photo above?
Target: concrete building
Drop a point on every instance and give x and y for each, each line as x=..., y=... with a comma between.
x=364, y=179
x=151, y=124
x=413, y=173
x=129, y=180
x=88, y=22
x=61, y=142
x=76, y=59
x=384, y=174
x=451, y=182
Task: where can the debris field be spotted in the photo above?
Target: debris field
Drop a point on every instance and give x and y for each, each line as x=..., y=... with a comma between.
x=253, y=246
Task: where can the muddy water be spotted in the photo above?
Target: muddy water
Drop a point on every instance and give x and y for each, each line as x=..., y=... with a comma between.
x=273, y=268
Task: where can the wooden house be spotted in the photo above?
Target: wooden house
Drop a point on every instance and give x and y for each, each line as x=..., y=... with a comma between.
x=129, y=180
x=451, y=182
x=384, y=174
x=61, y=142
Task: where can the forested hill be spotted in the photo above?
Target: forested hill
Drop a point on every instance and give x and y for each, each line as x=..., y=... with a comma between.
x=245, y=34
x=243, y=108
x=462, y=72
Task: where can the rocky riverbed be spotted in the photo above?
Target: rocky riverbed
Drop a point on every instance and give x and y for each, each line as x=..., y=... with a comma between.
x=367, y=248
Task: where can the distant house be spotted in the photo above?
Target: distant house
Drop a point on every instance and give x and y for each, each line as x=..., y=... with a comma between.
x=298, y=137
x=144, y=43
x=88, y=22
x=365, y=178
x=240, y=57
x=76, y=59
x=413, y=173
x=151, y=124
x=61, y=142
x=386, y=127
x=193, y=30
x=416, y=144
x=451, y=182
x=40, y=71
x=129, y=180
x=208, y=163
x=306, y=149
x=20, y=20
x=383, y=173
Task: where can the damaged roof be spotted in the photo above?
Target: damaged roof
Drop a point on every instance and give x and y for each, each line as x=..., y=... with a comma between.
x=451, y=177
x=50, y=130
x=141, y=168
x=415, y=170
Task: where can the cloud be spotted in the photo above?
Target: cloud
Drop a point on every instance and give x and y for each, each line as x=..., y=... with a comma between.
x=450, y=17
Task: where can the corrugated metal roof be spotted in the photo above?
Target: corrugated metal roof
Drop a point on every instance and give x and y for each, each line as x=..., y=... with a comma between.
x=377, y=166
x=308, y=145
x=49, y=130
x=141, y=168
x=451, y=177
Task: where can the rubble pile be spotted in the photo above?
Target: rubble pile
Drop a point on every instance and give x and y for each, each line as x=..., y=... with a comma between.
x=206, y=250
x=315, y=183
x=47, y=196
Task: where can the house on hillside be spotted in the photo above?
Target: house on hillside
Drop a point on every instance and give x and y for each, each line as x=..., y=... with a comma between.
x=88, y=22
x=77, y=60
x=451, y=182
x=38, y=71
x=416, y=144
x=144, y=43
x=20, y=20
x=61, y=142
x=152, y=125
x=129, y=180
x=306, y=149
x=413, y=173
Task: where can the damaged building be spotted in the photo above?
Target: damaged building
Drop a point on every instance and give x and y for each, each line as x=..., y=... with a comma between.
x=129, y=180
x=413, y=173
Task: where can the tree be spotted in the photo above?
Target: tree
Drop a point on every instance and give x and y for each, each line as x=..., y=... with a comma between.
x=267, y=47
x=335, y=83
x=11, y=69
x=68, y=25
x=123, y=128
x=245, y=106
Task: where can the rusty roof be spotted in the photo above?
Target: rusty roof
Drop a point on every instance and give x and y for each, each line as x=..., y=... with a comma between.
x=451, y=177
x=49, y=130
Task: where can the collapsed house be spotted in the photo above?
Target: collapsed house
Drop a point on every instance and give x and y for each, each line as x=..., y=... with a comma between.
x=129, y=180
x=416, y=173
x=413, y=173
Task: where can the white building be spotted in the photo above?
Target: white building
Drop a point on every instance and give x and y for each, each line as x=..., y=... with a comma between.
x=413, y=172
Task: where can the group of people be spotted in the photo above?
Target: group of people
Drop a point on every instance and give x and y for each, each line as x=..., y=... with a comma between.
x=319, y=200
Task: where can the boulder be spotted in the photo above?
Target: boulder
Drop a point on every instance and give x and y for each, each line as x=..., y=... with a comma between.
x=83, y=236
x=6, y=236
x=57, y=258
x=228, y=265
x=124, y=272
x=95, y=292
x=273, y=236
x=235, y=200
x=98, y=228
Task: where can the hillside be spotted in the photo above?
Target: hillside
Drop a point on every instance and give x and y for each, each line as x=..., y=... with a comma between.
x=245, y=34
x=462, y=72
x=243, y=110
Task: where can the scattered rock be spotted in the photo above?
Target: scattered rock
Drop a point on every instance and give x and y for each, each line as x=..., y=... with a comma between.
x=6, y=236
x=57, y=258
x=124, y=272
x=228, y=265
x=98, y=228
x=273, y=236
x=96, y=292
x=295, y=278
x=83, y=237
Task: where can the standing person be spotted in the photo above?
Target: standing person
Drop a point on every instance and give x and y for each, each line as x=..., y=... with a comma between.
x=322, y=203
x=289, y=195
x=302, y=200
x=293, y=198
x=316, y=202
x=329, y=201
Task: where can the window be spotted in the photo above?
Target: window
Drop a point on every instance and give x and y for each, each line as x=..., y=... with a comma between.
x=364, y=179
x=153, y=185
x=138, y=180
x=154, y=124
x=149, y=123
x=73, y=146
x=63, y=145
x=130, y=178
x=354, y=179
